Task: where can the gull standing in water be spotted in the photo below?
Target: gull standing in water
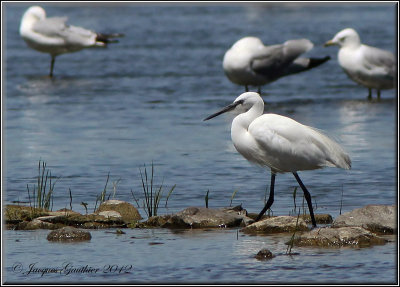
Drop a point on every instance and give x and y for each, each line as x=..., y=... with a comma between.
x=55, y=37
x=280, y=143
x=371, y=67
x=249, y=62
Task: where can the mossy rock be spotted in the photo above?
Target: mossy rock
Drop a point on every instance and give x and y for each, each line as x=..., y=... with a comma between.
x=128, y=212
x=14, y=214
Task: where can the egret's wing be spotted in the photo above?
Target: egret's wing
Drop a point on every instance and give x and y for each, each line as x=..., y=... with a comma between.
x=378, y=59
x=275, y=59
x=291, y=146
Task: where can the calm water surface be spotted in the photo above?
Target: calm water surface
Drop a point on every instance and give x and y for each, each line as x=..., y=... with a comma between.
x=143, y=100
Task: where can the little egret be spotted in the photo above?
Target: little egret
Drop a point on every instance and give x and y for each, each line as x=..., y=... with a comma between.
x=55, y=37
x=371, y=67
x=280, y=143
x=249, y=62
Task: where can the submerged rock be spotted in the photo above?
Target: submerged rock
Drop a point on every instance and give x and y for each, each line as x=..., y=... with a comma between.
x=337, y=237
x=276, y=224
x=379, y=219
x=69, y=234
x=127, y=211
x=264, y=254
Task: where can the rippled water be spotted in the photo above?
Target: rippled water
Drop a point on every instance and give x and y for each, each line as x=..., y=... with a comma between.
x=143, y=100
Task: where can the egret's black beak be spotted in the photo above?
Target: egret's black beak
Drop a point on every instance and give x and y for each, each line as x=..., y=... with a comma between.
x=224, y=110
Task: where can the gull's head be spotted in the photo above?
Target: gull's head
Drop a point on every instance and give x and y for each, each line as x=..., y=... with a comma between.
x=345, y=38
x=241, y=104
x=239, y=56
x=36, y=12
x=31, y=16
x=247, y=43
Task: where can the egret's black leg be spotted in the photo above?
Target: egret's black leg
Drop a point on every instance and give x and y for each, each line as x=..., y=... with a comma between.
x=270, y=199
x=53, y=59
x=379, y=94
x=247, y=88
x=308, y=198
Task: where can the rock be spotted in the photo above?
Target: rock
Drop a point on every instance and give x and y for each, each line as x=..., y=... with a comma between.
x=90, y=221
x=276, y=224
x=18, y=213
x=264, y=254
x=110, y=213
x=36, y=224
x=239, y=210
x=319, y=218
x=201, y=217
x=198, y=217
x=155, y=221
x=63, y=211
x=337, y=237
x=379, y=219
x=41, y=223
x=68, y=234
x=127, y=211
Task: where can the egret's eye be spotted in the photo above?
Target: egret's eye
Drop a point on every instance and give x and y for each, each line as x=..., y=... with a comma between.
x=240, y=102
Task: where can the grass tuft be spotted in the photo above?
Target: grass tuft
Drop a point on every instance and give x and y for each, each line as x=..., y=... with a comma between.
x=44, y=190
x=152, y=194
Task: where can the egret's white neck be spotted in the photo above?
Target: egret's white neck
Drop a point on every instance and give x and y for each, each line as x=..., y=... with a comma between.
x=243, y=120
x=241, y=138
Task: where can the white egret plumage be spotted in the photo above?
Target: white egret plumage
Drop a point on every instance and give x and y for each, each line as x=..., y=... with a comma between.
x=280, y=143
x=250, y=62
x=55, y=37
x=369, y=66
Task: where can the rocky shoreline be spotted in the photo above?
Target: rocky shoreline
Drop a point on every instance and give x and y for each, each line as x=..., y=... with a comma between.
x=361, y=227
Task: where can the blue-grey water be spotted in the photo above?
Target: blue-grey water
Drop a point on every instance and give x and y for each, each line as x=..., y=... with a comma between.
x=143, y=101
